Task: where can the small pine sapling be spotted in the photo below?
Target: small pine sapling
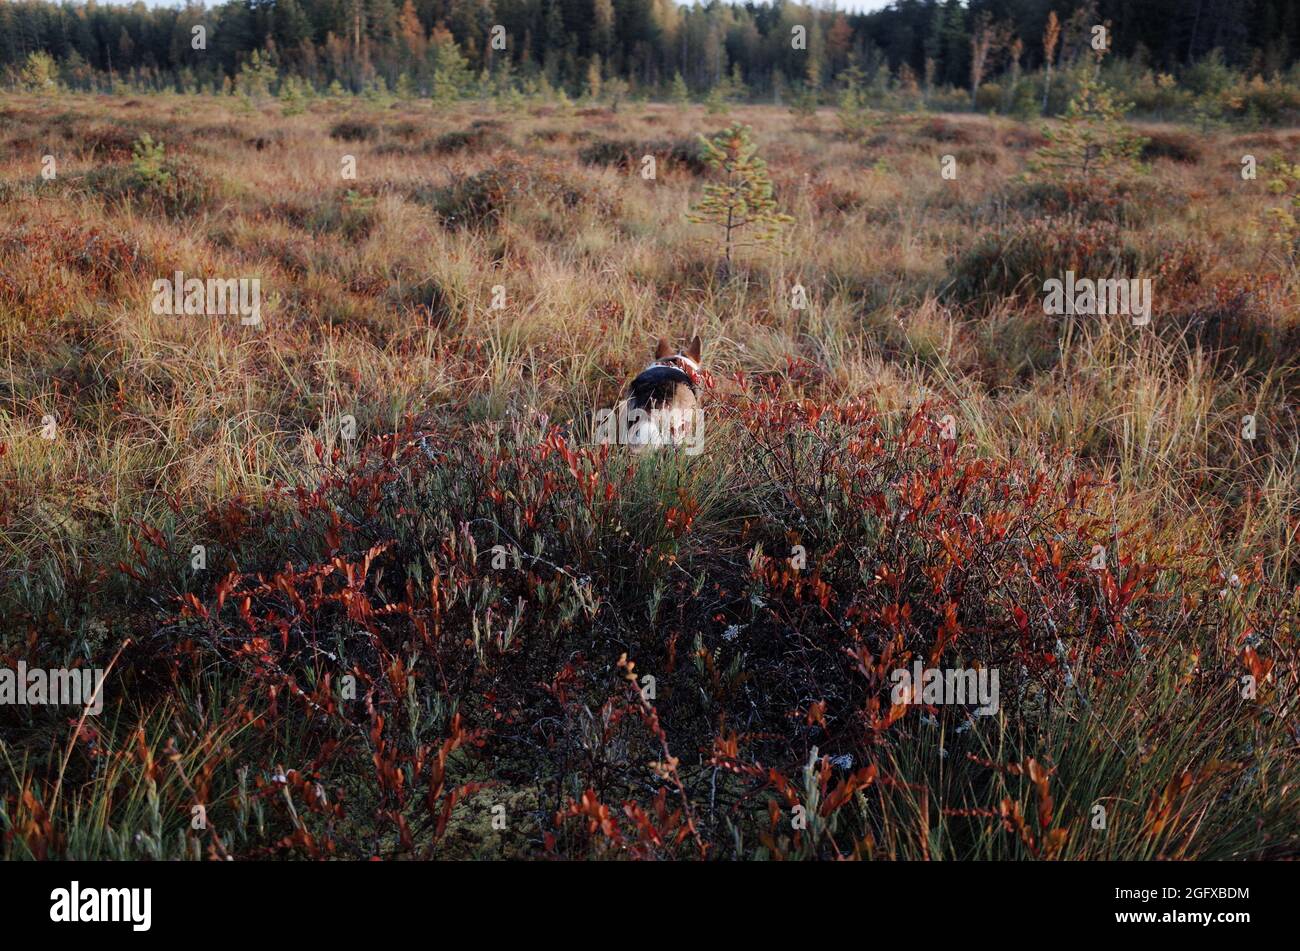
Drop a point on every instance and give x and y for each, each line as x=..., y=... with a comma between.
x=858, y=120
x=1284, y=220
x=1091, y=141
x=743, y=200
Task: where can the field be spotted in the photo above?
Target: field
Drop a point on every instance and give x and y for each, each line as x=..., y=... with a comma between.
x=364, y=585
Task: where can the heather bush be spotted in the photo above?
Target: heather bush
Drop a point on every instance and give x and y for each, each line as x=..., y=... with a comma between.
x=354, y=130
x=474, y=139
x=437, y=617
x=176, y=185
x=480, y=199
x=627, y=154
x=1013, y=261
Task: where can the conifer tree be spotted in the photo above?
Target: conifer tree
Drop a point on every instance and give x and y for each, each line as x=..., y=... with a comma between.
x=743, y=200
x=451, y=75
x=257, y=76
x=39, y=73
x=680, y=92
x=1284, y=220
x=1091, y=140
x=856, y=116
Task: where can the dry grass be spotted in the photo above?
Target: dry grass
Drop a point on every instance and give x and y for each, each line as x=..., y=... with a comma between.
x=377, y=304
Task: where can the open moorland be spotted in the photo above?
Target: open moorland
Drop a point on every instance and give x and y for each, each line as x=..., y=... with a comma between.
x=364, y=585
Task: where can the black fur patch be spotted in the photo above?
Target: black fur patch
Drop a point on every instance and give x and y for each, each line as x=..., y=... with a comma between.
x=656, y=386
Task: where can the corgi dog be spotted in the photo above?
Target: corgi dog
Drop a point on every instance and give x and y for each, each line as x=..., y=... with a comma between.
x=663, y=402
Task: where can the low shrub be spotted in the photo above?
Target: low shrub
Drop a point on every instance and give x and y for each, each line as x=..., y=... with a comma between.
x=176, y=185
x=1013, y=261
x=474, y=139
x=668, y=659
x=349, y=213
x=354, y=130
x=686, y=154
x=1174, y=146
x=480, y=199
x=943, y=130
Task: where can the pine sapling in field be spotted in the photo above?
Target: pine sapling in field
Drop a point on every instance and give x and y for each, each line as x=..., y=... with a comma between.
x=803, y=102
x=679, y=92
x=257, y=76
x=858, y=120
x=1284, y=220
x=1091, y=141
x=149, y=163
x=615, y=92
x=292, y=97
x=743, y=200
x=40, y=73
x=451, y=72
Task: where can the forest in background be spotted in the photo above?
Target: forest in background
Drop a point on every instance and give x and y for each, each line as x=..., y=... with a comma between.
x=1168, y=56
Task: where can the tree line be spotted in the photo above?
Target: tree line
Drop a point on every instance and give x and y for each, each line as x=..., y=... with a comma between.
x=653, y=46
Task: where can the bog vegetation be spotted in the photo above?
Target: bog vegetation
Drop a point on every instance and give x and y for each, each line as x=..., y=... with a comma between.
x=365, y=587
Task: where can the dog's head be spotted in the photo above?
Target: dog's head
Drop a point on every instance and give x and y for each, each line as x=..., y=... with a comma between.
x=688, y=360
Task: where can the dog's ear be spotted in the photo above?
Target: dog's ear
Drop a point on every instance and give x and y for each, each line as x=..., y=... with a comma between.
x=693, y=351
x=663, y=350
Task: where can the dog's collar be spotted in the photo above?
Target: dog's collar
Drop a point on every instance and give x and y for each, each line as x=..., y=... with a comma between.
x=690, y=364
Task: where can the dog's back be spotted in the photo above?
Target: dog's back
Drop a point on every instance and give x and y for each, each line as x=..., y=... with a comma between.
x=663, y=400
x=661, y=385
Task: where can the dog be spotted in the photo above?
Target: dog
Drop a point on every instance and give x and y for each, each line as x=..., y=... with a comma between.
x=663, y=402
